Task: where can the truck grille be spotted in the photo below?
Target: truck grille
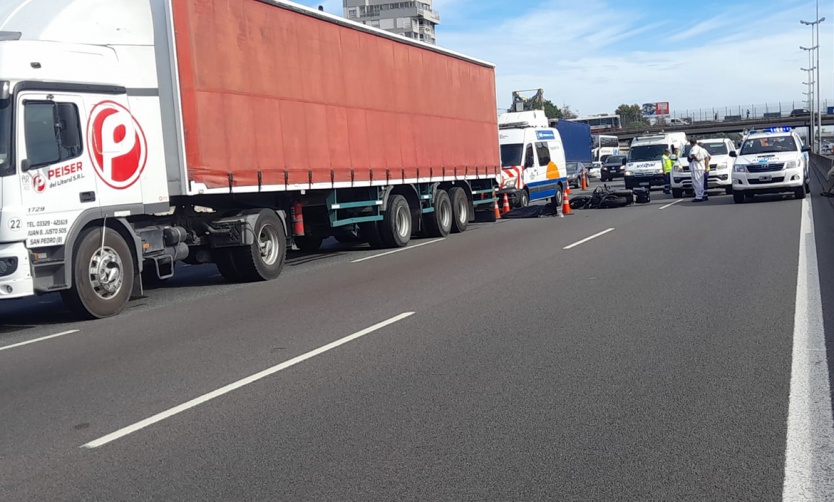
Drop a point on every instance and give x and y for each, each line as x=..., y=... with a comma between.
x=778, y=179
x=765, y=168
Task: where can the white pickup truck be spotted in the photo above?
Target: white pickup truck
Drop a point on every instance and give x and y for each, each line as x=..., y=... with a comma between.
x=720, y=167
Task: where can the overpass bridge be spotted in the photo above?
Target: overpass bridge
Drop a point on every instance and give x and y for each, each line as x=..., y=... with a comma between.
x=721, y=126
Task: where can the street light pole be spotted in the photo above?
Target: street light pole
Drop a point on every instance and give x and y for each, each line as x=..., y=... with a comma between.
x=815, y=33
x=810, y=83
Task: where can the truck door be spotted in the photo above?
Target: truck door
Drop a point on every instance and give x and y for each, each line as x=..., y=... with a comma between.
x=57, y=183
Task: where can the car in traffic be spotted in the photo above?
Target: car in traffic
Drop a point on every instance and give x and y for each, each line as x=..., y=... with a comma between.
x=800, y=112
x=720, y=167
x=612, y=168
x=595, y=170
x=771, y=161
x=575, y=170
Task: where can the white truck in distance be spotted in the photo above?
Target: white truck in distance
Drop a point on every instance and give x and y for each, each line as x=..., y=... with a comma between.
x=771, y=161
x=720, y=167
x=644, y=167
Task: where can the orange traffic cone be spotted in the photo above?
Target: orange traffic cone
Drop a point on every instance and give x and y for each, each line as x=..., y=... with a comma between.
x=566, y=203
x=584, y=180
x=497, y=211
x=567, y=189
x=506, y=208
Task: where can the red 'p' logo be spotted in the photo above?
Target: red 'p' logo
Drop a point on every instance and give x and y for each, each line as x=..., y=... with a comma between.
x=117, y=145
x=38, y=183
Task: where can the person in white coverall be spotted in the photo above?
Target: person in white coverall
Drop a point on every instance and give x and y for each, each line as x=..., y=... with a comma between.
x=697, y=156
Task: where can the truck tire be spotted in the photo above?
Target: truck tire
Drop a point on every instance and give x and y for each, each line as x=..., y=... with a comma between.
x=369, y=232
x=460, y=209
x=262, y=260
x=439, y=222
x=308, y=243
x=738, y=197
x=799, y=193
x=728, y=190
x=102, y=275
x=396, y=223
x=677, y=193
x=523, y=198
x=225, y=261
x=556, y=200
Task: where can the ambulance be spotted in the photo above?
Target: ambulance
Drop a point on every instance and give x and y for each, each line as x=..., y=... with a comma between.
x=774, y=160
x=533, y=163
x=644, y=167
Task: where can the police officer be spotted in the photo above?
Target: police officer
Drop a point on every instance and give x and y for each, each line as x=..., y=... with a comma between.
x=667, y=171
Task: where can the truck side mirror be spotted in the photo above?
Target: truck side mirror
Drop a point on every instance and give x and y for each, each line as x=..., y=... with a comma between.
x=733, y=154
x=625, y=161
x=806, y=148
x=25, y=165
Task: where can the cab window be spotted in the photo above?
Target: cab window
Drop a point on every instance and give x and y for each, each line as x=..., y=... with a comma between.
x=544, y=154
x=529, y=157
x=52, y=131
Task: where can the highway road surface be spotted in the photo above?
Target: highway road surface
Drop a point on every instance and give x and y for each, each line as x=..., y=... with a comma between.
x=668, y=351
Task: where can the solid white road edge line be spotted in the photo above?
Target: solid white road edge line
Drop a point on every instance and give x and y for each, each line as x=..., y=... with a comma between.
x=36, y=340
x=583, y=241
x=809, y=453
x=240, y=383
x=396, y=251
x=672, y=204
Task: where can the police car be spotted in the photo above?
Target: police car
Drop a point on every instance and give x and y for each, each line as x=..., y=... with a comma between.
x=773, y=160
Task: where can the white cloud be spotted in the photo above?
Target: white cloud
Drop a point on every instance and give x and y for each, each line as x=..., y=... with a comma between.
x=583, y=54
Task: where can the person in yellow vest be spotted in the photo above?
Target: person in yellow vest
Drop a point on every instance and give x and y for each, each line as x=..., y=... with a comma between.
x=667, y=171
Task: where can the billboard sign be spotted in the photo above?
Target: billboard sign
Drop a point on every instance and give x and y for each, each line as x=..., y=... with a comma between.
x=659, y=109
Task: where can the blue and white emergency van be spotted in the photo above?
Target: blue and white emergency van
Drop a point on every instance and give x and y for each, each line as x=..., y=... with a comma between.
x=533, y=163
x=644, y=167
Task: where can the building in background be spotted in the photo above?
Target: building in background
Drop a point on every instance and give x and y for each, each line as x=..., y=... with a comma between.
x=415, y=20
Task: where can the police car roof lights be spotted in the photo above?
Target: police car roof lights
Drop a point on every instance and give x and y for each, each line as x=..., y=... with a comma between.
x=770, y=130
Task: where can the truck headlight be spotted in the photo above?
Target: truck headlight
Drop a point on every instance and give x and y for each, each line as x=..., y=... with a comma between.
x=791, y=164
x=629, y=173
x=677, y=168
x=722, y=165
x=510, y=183
x=740, y=168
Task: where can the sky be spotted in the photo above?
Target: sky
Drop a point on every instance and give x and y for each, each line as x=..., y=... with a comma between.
x=594, y=55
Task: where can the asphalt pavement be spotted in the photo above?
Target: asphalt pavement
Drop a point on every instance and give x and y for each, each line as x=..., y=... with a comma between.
x=641, y=353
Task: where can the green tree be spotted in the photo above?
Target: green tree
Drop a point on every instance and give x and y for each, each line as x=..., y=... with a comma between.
x=631, y=115
x=554, y=112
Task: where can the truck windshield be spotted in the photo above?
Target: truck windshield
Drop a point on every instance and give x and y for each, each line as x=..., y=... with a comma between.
x=511, y=154
x=716, y=148
x=768, y=145
x=646, y=153
x=6, y=166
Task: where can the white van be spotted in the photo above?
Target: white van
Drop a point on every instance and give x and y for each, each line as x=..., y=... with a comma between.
x=532, y=159
x=771, y=161
x=721, y=152
x=644, y=166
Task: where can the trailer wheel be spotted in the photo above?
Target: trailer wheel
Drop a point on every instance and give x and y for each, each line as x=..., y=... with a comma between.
x=460, y=209
x=396, y=224
x=369, y=232
x=308, y=243
x=439, y=223
x=102, y=274
x=263, y=260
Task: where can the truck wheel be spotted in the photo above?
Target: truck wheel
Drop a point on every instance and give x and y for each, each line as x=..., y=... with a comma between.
x=556, y=200
x=799, y=193
x=396, y=223
x=369, y=232
x=728, y=190
x=262, y=260
x=738, y=197
x=677, y=193
x=102, y=275
x=460, y=209
x=439, y=223
x=308, y=243
x=523, y=198
x=225, y=261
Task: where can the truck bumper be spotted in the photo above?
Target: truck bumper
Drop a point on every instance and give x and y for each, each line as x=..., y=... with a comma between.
x=513, y=194
x=772, y=182
x=718, y=180
x=655, y=180
x=17, y=281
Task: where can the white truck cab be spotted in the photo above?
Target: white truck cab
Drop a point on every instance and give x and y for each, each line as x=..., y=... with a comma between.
x=720, y=167
x=532, y=159
x=774, y=160
x=644, y=166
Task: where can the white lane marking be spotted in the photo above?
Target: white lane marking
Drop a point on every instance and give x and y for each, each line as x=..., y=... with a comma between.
x=809, y=453
x=672, y=204
x=240, y=383
x=396, y=251
x=583, y=241
x=36, y=340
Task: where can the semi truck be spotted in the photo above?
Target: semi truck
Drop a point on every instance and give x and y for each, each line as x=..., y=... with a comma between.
x=135, y=134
